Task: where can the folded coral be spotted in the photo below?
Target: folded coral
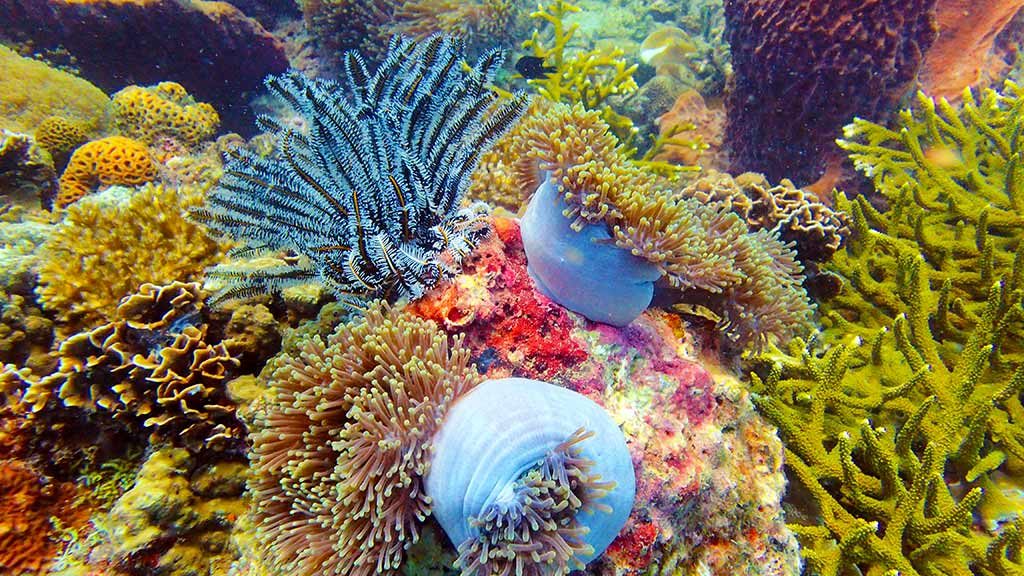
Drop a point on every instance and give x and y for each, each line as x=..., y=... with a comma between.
x=153, y=367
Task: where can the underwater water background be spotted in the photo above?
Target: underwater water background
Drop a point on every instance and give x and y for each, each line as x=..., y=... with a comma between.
x=511, y=288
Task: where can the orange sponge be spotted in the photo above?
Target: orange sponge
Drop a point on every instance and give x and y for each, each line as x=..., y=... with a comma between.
x=113, y=160
x=164, y=110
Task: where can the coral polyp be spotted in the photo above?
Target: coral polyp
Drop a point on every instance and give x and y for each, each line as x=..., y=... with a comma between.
x=370, y=195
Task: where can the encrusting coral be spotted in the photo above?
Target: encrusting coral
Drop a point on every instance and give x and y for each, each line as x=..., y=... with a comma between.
x=166, y=110
x=753, y=276
x=31, y=91
x=109, y=244
x=105, y=162
x=341, y=449
x=152, y=367
x=371, y=197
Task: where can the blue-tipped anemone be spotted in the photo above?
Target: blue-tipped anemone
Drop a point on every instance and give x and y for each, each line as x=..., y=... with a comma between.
x=583, y=271
x=529, y=478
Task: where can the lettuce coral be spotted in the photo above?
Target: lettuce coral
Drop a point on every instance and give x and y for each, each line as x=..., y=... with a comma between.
x=104, y=162
x=153, y=367
x=749, y=278
x=341, y=448
x=109, y=244
x=163, y=111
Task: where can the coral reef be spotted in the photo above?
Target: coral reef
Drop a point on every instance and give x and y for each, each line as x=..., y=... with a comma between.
x=166, y=110
x=528, y=477
x=963, y=53
x=21, y=235
x=953, y=183
x=340, y=25
x=173, y=494
x=60, y=136
x=586, y=77
x=109, y=244
x=749, y=278
x=709, y=470
x=25, y=334
x=897, y=449
x=371, y=197
x=211, y=48
x=479, y=22
x=105, y=162
x=815, y=229
x=27, y=175
x=153, y=368
x=689, y=112
x=31, y=91
x=341, y=448
x=857, y=58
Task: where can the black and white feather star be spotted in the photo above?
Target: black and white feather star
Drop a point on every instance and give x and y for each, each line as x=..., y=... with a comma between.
x=368, y=194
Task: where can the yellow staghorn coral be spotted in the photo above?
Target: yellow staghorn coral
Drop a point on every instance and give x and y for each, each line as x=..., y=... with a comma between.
x=108, y=161
x=587, y=77
x=109, y=244
x=164, y=111
x=152, y=367
x=342, y=446
x=754, y=277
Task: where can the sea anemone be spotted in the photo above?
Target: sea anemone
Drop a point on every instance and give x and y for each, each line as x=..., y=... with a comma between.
x=345, y=443
x=529, y=478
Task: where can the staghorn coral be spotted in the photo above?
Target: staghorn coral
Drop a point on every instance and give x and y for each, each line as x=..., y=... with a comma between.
x=166, y=110
x=370, y=196
x=109, y=244
x=750, y=278
x=152, y=367
x=899, y=443
x=856, y=58
x=953, y=182
x=31, y=92
x=105, y=162
x=341, y=448
x=587, y=77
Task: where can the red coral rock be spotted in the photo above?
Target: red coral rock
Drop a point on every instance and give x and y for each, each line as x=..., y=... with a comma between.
x=211, y=48
x=516, y=324
x=632, y=549
x=805, y=68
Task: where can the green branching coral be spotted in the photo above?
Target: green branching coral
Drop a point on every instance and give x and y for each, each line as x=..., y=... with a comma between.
x=907, y=433
x=587, y=77
x=955, y=186
x=896, y=450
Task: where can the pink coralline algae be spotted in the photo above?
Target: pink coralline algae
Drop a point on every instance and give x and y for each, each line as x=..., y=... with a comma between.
x=708, y=468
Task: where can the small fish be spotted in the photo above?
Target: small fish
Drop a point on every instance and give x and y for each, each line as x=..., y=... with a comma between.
x=532, y=68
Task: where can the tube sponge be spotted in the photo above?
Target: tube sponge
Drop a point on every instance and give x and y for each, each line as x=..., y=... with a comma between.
x=583, y=271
